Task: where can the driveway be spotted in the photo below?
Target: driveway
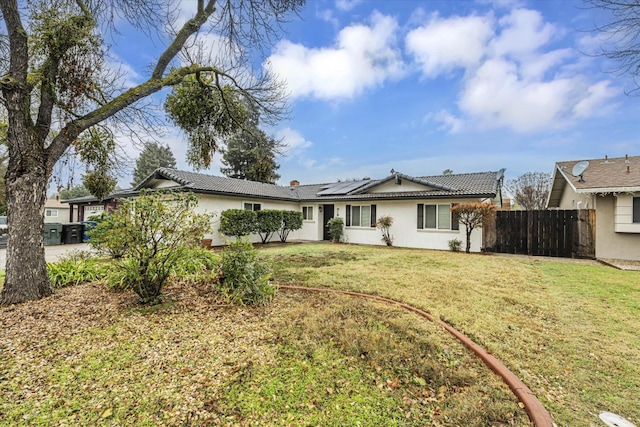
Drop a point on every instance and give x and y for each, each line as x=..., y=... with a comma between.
x=51, y=253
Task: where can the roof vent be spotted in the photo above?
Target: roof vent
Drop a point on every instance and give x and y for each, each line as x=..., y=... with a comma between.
x=626, y=158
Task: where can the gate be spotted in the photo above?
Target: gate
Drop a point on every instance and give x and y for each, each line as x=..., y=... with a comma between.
x=556, y=233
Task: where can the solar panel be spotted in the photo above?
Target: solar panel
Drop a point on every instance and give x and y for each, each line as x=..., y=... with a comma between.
x=342, y=188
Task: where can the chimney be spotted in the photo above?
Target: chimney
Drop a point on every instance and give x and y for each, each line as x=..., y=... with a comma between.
x=294, y=183
x=506, y=204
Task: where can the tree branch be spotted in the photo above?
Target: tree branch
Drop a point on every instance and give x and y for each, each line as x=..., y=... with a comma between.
x=188, y=29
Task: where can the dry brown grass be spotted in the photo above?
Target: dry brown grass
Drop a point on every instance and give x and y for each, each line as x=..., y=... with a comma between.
x=568, y=330
x=88, y=356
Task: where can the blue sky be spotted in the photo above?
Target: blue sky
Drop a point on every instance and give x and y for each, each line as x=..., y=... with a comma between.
x=424, y=86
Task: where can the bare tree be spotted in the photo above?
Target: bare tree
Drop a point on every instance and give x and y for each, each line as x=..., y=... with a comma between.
x=472, y=215
x=530, y=190
x=622, y=35
x=54, y=92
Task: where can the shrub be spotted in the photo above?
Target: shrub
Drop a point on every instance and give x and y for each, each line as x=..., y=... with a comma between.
x=73, y=271
x=244, y=278
x=106, y=238
x=336, y=229
x=455, y=245
x=238, y=222
x=291, y=221
x=158, y=229
x=384, y=224
x=472, y=216
x=269, y=221
x=197, y=265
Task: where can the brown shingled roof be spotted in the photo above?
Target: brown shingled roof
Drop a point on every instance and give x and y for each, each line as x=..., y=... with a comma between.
x=606, y=174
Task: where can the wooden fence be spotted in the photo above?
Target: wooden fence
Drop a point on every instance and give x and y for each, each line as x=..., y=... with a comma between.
x=556, y=233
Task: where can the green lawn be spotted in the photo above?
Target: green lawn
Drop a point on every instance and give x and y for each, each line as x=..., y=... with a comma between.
x=89, y=356
x=568, y=330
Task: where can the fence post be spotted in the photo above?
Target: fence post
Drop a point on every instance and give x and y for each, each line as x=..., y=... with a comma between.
x=489, y=233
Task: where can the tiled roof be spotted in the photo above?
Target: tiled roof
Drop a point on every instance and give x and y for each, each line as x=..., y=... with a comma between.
x=203, y=183
x=482, y=184
x=604, y=175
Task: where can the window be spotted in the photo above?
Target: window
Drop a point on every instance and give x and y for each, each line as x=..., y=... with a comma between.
x=361, y=216
x=437, y=217
x=307, y=213
x=636, y=210
x=51, y=212
x=252, y=206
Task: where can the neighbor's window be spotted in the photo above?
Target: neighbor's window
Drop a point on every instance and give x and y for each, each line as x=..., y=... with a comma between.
x=636, y=209
x=437, y=217
x=252, y=206
x=51, y=212
x=307, y=213
x=361, y=216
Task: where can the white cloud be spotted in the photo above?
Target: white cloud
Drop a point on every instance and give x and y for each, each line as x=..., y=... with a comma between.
x=497, y=96
x=449, y=122
x=512, y=78
x=347, y=5
x=444, y=44
x=523, y=32
x=596, y=95
x=296, y=143
x=364, y=56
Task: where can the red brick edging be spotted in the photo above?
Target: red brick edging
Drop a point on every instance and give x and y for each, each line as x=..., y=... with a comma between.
x=536, y=411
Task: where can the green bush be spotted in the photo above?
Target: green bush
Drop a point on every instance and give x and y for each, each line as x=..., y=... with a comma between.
x=106, y=237
x=455, y=245
x=244, y=278
x=336, y=229
x=238, y=222
x=157, y=229
x=73, y=271
x=196, y=265
x=269, y=221
x=291, y=220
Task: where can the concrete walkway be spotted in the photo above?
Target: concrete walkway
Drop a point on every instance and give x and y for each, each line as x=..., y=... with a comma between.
x=51, y=253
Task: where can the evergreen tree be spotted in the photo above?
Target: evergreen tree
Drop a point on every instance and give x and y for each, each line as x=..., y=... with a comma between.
x=251, y=154
x=153, y=156
x=74, y=192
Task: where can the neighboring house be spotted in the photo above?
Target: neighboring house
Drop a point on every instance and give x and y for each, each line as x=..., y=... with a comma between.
x=612, y=188
x=420, y=206
x=56, y=211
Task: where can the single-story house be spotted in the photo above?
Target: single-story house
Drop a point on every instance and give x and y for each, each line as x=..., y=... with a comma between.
x=420, y=206
x=56, y=211
x=610, y=186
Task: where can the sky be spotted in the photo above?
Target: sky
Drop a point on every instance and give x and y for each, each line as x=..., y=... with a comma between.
x=424, y=86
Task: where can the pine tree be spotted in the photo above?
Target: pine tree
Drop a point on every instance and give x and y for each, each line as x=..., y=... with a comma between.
x=153, y=156
x=251, y=154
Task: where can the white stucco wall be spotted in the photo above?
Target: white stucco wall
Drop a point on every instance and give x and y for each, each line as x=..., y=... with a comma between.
x=404, y=229
x=217, y=204
x=572, y=200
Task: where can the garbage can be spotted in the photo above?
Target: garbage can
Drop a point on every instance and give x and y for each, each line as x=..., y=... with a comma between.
x=72, y=233
x=52, y=234
x=86, y=226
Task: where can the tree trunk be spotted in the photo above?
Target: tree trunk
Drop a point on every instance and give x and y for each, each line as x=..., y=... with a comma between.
x=26, y=277
x=469, y=230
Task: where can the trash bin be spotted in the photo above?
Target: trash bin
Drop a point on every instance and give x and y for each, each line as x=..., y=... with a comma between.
x=72, y=233
x=87, y=225
x=52, y=234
